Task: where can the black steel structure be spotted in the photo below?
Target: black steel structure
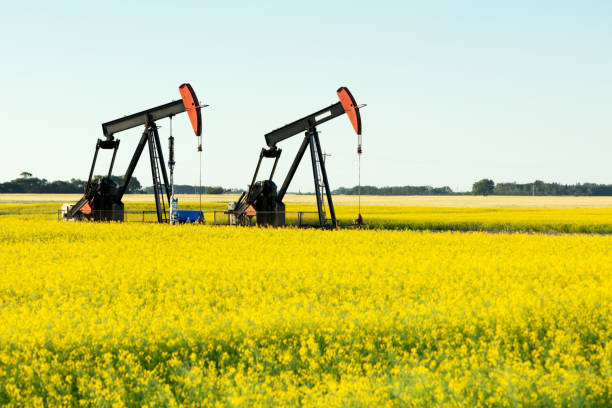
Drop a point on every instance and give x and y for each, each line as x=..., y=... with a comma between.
x=263, y=196
x=102, y=198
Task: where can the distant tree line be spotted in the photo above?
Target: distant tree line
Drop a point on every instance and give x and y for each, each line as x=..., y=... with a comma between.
x=540, y=188
x=403, y=190
x=189, y=189
x=28, y=184
x=488, y=187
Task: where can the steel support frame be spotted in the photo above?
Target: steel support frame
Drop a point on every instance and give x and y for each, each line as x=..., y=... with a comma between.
x=151, y=136
x=315, y=175
x=311, y=139
x=132, y=166
x=157, y=164
x=162, y=163
x=156, y=192
x=330, y=204
x=86, y=197
x=293, y=168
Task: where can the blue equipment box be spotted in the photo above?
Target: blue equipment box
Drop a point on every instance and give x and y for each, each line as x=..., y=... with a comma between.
x=189, y=216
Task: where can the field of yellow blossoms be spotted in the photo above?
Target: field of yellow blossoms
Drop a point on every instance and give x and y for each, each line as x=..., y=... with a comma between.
x=430, y=218
x=154, y=315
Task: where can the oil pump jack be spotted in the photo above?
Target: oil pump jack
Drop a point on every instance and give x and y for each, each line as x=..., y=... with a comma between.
x=102, y=198
x=263, y=199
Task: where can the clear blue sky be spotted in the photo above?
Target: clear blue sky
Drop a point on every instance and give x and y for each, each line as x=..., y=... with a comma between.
x=456, y=91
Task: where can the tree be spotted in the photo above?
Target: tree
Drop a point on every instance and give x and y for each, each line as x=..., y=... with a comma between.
x=214, y=190
x=25, y=174
x=483, y=187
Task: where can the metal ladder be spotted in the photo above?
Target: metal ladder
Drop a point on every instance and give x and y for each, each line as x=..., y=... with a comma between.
x=321, y=185
x=157, y=185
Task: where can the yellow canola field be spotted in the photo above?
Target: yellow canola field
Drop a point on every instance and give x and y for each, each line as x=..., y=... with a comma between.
x=465, y=201
x=565, y=220
x=569, y=220
x=153, y=315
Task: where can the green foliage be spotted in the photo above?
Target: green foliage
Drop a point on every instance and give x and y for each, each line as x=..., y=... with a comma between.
x=541, y=188
x=188, y=189
x=27, y=184
x=538, y=188
x=483, y=187
x=403, y=190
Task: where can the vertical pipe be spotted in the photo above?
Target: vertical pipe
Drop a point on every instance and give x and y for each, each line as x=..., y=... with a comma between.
x=171, y=162
x=332, y=212
x=172, y=202
x=200, y=150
